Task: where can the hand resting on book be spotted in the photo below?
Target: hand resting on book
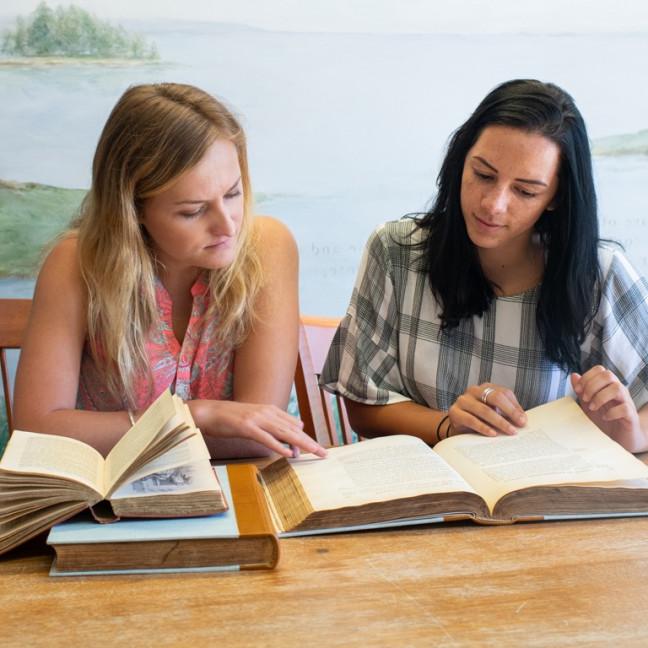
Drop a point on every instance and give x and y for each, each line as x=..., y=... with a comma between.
x=487, y=409
x=608, y=403
x=266, y=424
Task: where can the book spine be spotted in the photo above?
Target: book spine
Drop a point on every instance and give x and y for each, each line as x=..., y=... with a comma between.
x=251, y=509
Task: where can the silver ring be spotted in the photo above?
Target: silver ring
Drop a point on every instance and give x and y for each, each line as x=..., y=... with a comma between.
x=485, y=394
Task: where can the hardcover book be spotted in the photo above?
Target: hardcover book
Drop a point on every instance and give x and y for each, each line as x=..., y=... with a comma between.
x=159, y=468
x=243, y=537
x=560, y=465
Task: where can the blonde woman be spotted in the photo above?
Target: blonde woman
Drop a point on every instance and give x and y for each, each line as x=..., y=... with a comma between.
x=168, y=281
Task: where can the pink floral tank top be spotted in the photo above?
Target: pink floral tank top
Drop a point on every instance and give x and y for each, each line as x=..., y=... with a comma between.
x=197, y=368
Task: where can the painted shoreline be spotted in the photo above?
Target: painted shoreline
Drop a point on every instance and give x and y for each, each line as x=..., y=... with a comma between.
x=626, y=144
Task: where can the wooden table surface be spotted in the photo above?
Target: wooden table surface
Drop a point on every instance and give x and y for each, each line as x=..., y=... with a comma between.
x=577, y=583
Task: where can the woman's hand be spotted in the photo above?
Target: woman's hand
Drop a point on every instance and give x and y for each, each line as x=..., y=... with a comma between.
x=265, y=424
x=487, y=409
x=607, y=402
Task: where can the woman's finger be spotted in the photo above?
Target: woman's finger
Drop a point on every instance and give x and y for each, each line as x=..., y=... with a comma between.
x=265, y=438
x=610, y=394
x=298, y=439
x=504, y=402
x=469, y=421
x=481, y=418
x=622, y=412
x=593, y=381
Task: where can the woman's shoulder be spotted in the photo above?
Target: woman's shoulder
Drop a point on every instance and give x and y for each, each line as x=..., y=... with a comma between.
x=404, y=231
x=271, y=231
x=62, y=260
x=401, y=243
x=623, y=288
x=615, y=266
x=60, y=287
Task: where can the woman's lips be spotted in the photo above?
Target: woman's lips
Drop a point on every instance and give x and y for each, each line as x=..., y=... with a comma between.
x=487, y=225
x=218, y=244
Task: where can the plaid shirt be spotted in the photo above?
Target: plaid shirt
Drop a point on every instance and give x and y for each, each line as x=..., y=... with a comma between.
x=390, y=347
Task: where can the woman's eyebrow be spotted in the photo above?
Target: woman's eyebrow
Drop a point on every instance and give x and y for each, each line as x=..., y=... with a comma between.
x=525, y=180
x=200, y=201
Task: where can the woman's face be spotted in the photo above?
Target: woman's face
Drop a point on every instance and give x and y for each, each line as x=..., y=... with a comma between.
x=510, y=177
x=195, y=223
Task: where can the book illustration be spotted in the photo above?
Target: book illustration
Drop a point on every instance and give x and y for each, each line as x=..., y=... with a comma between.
x=164, y=481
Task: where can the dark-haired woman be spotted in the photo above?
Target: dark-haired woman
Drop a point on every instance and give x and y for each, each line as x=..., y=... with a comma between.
x=502, y=296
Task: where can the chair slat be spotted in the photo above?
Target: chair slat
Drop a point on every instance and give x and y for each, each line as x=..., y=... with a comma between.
x=317, y=407
x=14, y=315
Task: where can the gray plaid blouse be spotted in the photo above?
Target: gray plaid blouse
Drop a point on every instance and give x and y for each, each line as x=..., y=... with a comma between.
x=390, y=346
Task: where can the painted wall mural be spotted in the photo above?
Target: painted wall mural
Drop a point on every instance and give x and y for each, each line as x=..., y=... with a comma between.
x=347, y=115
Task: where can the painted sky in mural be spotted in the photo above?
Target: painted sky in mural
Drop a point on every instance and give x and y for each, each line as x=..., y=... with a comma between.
x=347, y=111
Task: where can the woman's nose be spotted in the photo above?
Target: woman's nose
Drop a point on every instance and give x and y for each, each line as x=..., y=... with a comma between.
x=222, y=222
x=495, y=201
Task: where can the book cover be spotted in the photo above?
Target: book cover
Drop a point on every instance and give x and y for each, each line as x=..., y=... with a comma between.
x=239, y=538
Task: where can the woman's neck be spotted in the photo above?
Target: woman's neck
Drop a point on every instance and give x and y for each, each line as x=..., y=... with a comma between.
x=178, y=283
x=515, y=270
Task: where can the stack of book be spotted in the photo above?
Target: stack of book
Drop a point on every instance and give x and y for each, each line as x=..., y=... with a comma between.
x=159, y=474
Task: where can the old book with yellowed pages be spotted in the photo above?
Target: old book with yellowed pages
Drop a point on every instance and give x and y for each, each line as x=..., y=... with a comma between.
x=560, y=465
x=159, y=468
x=243, y=537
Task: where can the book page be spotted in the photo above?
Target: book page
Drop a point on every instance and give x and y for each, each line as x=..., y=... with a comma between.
x=186, y=478
x=190, y=451
x=559, y=445
x=376, y=470
x=47, y=454
x=166, y=413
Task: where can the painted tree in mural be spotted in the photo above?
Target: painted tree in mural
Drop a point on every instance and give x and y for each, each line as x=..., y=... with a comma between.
x=72, y=31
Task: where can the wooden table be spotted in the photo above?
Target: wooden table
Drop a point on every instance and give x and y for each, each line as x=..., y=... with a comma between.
x=551, y=584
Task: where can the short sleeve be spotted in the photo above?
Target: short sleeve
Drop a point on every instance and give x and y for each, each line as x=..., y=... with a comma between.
x=618, y=338
x=362, y=363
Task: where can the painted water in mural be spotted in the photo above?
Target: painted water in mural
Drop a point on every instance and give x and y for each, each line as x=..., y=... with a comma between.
x=345, y=130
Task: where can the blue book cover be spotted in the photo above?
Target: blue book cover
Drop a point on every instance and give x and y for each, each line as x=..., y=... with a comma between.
x=192, y=540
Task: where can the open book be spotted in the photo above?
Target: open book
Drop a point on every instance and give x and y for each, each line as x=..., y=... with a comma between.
x=159, y=468
x=559, y=466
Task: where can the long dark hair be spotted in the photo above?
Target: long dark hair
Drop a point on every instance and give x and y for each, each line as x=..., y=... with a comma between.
x=570, y=292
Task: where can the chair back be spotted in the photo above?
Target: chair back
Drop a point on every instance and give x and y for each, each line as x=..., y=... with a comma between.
x=324, y=415
x=14, y=314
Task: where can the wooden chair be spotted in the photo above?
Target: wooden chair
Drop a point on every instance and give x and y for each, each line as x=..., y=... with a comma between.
x=14, y=314
x=319, y=409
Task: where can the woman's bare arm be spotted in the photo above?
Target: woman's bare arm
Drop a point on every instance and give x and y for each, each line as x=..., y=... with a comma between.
x=406, y=417
x=47, y=379
x=264, y=365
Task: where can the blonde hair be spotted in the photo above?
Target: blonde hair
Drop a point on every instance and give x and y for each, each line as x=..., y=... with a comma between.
x=154, y=134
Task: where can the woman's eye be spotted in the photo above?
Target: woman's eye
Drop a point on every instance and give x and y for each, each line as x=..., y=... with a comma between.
x=526, y=194
x=233, y=194
x=192, y=214
x=482, y=176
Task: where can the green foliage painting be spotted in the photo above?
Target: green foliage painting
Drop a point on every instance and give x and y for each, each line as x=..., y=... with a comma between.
x=31, y=215
x=73, y=32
